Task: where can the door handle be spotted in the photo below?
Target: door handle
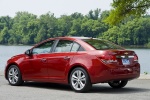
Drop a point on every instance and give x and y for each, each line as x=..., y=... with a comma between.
x=66, y=58
x=43, y=60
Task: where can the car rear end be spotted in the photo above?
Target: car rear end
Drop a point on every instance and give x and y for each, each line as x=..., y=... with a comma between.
x=116, y=63
x=120, y=64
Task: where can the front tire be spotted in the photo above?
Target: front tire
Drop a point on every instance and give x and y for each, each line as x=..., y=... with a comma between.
x=79, y=80
x=14, y=76
x=118, y=84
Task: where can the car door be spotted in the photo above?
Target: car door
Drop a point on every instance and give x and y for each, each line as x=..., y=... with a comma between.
x=37, y=63
x=60, y=59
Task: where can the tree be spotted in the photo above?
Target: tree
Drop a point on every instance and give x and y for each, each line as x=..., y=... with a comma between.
x=6, y=21
x=104, y=15
x=48, y=23
x=4, y=36
x=25, y=25
x=77, y=15
x=125, y=8
x=135, y=32
x=94, y=14
x=27, y=28
x=112, y=34
x=76, y=28
x=64, y=25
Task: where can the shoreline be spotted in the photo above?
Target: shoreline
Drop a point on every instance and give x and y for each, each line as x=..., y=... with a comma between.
x=142, y=76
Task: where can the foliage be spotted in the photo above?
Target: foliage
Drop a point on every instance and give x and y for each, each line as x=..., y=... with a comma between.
x=147, y=45
x=145, y=73
x=135, y=32
x=27, y=28
x=125, y=8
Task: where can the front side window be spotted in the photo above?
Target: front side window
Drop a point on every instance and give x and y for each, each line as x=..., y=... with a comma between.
x=64, y=46
x=43, y=48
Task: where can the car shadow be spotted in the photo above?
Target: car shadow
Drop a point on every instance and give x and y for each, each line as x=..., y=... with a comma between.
x=109, y=90
x=42, y=85
x=95, y=88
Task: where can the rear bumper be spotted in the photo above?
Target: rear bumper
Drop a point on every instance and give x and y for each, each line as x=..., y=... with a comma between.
x=126, y=73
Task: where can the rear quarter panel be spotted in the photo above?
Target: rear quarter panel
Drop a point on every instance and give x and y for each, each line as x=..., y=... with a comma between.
x=90, y=63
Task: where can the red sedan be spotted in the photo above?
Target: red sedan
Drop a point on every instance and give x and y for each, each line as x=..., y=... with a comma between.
x=78, y=61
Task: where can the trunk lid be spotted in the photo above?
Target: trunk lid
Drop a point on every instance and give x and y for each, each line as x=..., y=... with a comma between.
x=118, y=57
x=124, y=57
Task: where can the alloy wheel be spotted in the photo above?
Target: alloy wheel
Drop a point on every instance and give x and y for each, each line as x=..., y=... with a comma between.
x=13, y=75
x=78, y=80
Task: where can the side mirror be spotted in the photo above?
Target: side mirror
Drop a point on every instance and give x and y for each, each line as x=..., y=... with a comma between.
x=28, y=52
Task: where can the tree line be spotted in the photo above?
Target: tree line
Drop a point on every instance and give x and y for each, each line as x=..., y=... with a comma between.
x=27, y=28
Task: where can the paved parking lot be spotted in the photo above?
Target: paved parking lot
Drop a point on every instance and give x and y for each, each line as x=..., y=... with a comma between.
x=135, y=90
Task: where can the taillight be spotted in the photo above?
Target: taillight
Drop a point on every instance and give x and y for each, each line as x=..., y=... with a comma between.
x=108, y=59
x=135, y=57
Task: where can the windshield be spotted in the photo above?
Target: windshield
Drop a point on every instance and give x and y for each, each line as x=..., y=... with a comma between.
x=101, y=44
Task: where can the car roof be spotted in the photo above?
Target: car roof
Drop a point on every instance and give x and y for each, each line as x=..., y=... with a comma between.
x=73, y=37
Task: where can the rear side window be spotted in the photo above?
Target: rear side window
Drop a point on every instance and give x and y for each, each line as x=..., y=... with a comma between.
x=102, y=44
x=68, y=46
x=63, y=46
x=75, y=47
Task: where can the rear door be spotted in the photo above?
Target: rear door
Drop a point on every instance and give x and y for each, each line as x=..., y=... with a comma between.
x=60, y=59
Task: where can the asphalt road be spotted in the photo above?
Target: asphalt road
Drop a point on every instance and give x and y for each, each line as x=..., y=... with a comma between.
x=138, y=89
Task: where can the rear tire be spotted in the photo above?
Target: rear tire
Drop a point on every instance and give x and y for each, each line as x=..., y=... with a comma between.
x=79, y=80
x=14, y=76
x=118, y=84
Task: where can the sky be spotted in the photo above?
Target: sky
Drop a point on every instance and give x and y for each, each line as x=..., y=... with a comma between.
x=58, y=7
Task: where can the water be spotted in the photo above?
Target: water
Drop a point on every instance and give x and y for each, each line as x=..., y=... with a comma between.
x=8, y=51
x=144, y=59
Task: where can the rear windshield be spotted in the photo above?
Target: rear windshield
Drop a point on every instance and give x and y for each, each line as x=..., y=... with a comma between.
x=101, y=44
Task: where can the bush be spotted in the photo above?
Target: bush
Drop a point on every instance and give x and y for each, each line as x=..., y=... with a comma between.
x=148, y=45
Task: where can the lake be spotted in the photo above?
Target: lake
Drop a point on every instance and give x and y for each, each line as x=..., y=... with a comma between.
x=8, y=51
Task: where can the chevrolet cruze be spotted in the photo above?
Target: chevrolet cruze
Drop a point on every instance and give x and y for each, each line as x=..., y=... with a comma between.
x=77, y=61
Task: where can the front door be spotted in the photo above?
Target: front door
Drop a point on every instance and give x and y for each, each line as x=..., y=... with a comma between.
x=36, y=64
